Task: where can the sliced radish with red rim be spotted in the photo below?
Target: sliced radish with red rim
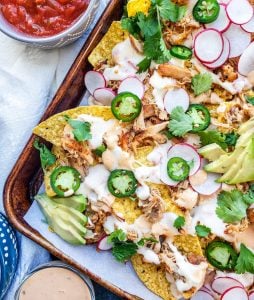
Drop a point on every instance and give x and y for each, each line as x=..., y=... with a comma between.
x=238, y=38
x=249, y=27
x=188, y=153
x=103, y=244
x=176, y=97
x=104, y=96
x=94, y=80
x=235, y=293
x=202, y=295
x=223, y=58
x=205, y=183
x=222, y=284
x=208, y=45
x=222, y=22
x=246, y=62
x=239, y=12
x=132, y=85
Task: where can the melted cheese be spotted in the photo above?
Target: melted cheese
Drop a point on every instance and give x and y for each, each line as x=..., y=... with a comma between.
x=117, y=159
x=143, y=192
x=98, y=128
x=193, y=275
x=149, y=255
x=95, y=184
x=206, y=215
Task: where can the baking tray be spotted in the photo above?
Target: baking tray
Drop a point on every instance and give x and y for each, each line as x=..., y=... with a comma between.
x=26, y=177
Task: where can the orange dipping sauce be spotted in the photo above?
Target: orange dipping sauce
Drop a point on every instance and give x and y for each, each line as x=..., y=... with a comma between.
x=42, y=18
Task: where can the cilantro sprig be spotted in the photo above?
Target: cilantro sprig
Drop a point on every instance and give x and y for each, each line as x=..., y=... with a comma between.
x=224, y=140
x=201, y=83
x=245, y=261
x=202, y=230
x=81, y=130
x=46, y=156
x=180, y=123
x=232, y=206
x=149, y=29
x=179, y=222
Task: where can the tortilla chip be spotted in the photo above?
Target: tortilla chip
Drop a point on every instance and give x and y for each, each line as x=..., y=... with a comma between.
x=154, y=277
x=51, y=130
x=135, y=6
x=103, y=51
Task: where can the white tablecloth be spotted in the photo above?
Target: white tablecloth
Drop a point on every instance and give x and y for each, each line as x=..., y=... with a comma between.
x=28, y=80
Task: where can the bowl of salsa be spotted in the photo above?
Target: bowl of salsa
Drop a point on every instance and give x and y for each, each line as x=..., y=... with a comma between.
x=46, y=23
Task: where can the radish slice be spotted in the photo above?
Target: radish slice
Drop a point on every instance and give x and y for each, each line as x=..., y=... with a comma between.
x=132, y=85
x=94, y=80
x=223, y=58
x=176, y=97
x=246, y=62
x=103, y=244
x=104, y=96
x=222, y=284
x=235, y=293
x=239, y=12
x=211, y=53
x=188, y=153
x=251, y=295
x=222, y=22
x=204, y=183
x=164, y=174
x=249, y=27
x=202, y=295
x=224, y=1
x=238, y=38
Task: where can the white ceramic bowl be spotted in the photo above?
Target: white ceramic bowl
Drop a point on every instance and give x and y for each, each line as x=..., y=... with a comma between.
x=59, y=40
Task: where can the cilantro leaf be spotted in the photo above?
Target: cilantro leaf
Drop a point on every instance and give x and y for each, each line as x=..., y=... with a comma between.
x=245, y=261
x=231, y=206
x=143, y=240
x=144, y=65
x=180, y=122
x=212, y=136
x=169, y=10
x=201, y=83
x=202, y=230
x=231, y=138
x=148, y=25
x=124, y=251
x=81, y=130
x=250, y=99
x=130, y=25
x=117, y=236
x=179, y=222
x=46, y=156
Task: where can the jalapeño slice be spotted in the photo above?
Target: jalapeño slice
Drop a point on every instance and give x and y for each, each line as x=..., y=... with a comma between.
x=65, y=181
x=178, y=169
x=206, y=11
x=122, y=183
x=221, y=255
x=126, y=107
x=200, y=115
x=181, y=52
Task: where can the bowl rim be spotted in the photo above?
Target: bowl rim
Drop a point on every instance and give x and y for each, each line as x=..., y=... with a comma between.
x=12, y=32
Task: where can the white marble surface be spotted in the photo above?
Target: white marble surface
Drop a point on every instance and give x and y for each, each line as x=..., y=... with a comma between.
x=28, y=80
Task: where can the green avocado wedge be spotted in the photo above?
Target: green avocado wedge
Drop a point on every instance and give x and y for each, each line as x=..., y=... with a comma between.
x=78, y=202
x=65, y=221
x=246, y=126
x=211, y=152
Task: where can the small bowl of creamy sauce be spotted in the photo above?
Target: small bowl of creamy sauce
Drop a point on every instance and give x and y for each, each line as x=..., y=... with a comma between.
x=55, y=281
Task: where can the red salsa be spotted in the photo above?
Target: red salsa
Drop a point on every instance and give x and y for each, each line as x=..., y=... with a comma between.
x=42, y=18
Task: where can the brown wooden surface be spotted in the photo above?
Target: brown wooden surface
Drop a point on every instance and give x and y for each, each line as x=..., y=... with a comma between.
x=26, y=177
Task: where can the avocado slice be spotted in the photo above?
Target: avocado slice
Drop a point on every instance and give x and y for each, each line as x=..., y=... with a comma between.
x=234, y=168
x=65, y=221
x=245, y=138
x=246, y=172
x=78, y=202
x=246, y=126
x=211, y=152
x=225, y=162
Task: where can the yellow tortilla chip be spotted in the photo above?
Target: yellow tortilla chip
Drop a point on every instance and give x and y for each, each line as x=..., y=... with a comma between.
x=103, y=51
x=135, y=6
x=51, y=130
x=154, y=277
